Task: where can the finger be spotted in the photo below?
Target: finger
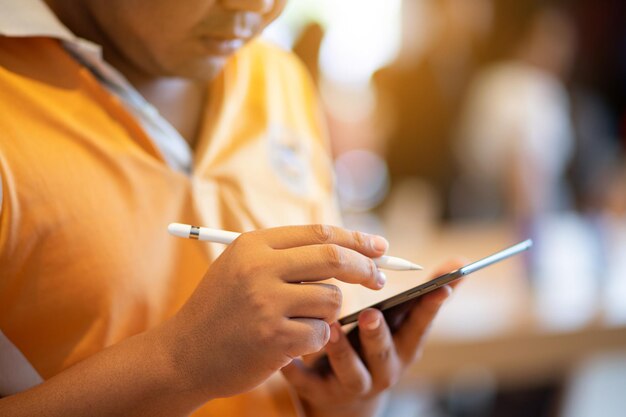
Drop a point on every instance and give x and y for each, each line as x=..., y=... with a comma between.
x=438, y=296
x=305, y=336
x=307, y=383
x=379, y=351
x=410, y=336
x=445, y=268
x=294, y=236
x=318, y=301
x=348, y=368
x=319, y=262
x=451, y=265
x=448, y=266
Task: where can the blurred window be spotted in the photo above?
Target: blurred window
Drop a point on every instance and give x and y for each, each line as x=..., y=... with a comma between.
x=361, y=35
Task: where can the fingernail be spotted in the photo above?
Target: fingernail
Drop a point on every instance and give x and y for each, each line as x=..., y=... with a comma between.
x=373, y=325
x=381, y=278
x=379, y=244
x=334, y=334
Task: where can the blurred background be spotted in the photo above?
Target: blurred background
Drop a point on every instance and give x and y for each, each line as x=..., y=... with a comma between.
x=459, y=127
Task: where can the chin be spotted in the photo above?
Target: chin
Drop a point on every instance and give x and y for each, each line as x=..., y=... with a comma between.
x=199, y=70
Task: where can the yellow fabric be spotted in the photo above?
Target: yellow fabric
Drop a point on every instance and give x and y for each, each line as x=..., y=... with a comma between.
x=85, y=257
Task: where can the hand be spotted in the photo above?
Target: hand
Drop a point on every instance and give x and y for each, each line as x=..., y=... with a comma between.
x=256, y=308
x=356, y=385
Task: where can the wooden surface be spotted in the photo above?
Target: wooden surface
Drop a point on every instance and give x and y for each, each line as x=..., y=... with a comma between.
x=492, y=322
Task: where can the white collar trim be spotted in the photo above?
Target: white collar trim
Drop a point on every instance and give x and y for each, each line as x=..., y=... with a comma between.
x=30, y=18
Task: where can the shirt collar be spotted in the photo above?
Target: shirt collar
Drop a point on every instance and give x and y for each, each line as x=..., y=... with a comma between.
x=26, y=18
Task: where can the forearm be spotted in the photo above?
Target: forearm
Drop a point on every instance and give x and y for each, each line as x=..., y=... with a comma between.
x=133, y=378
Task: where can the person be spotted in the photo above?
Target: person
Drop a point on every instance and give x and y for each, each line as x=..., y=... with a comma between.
x=119, y=117
x=515, y=139
x=420, y=91
x=307, y=47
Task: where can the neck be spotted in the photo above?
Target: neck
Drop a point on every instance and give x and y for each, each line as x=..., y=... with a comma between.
x=179, y=100
x=79, y=20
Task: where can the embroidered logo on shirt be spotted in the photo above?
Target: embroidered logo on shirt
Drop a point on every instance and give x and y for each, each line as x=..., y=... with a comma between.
x=290, y=158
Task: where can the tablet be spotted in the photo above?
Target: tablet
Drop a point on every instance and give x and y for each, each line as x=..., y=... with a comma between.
x=396, y=308
x=440, y=281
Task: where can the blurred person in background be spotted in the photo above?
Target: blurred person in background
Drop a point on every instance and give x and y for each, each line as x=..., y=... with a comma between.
x=515, y=136
x=420, y=92
x=307, y=47
x=598, y=88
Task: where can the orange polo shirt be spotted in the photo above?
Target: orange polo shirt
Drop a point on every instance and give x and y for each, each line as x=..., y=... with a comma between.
x=85, y=258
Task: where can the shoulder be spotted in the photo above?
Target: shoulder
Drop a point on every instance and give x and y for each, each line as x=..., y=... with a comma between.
x=19, y=54
x=3, y=212
x=30, y=67
x=267, y=76
x=264, y=51
x=271, y=64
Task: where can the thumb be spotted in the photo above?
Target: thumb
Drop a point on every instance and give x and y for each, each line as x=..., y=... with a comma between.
x=306, y=381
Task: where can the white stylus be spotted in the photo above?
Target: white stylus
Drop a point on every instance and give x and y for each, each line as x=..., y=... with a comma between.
x=222, y=236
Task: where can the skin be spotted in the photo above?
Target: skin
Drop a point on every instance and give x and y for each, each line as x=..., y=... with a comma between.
x=246, y=320
x=170, y=68
x=358, y=385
